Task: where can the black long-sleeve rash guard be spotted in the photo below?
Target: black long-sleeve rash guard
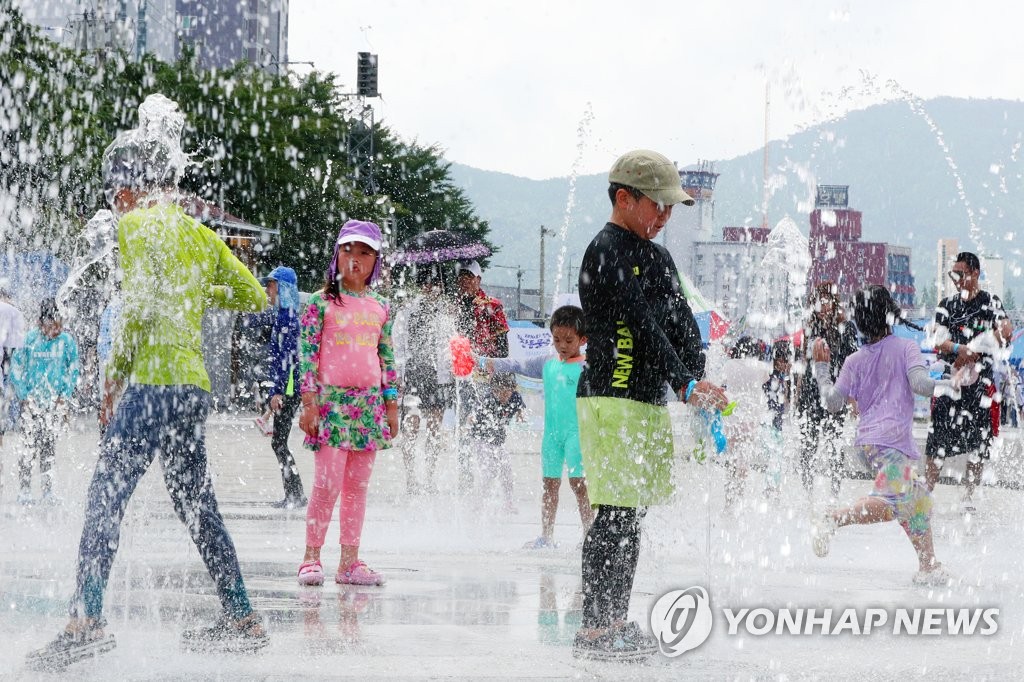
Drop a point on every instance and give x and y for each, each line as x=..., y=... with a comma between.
x=640, y=329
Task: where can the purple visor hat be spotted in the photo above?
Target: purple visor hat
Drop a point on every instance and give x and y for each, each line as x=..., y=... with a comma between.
x=357, y=231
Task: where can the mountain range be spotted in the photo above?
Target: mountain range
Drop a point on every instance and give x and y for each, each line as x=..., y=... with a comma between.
x=917, y=170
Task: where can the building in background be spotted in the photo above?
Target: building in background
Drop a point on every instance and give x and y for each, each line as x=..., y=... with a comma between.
x=222, y=32
x=993, y=275
x=696, y=223
x=839, y=255
x=947, y=250
x=723, y=271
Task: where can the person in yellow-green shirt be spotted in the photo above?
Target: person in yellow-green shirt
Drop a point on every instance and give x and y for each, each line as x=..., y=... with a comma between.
x=174, y=268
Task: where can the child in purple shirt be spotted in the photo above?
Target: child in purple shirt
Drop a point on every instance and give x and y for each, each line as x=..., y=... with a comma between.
x=882, y=377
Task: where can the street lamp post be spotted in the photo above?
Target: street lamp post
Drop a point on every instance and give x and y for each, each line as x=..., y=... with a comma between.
x=543, y=231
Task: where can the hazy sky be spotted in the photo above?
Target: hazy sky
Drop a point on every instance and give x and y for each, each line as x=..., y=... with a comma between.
x=506, y=85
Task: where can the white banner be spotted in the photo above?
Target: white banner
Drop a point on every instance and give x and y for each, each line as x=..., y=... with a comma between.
x=528, y=342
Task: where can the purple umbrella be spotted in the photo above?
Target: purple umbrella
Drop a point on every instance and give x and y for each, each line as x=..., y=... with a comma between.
x=439, y=246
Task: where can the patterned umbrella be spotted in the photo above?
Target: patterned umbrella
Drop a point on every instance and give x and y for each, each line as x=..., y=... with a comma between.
x=439, y=246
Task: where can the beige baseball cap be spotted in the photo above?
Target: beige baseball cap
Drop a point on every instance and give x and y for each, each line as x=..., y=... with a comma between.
x=652, y=174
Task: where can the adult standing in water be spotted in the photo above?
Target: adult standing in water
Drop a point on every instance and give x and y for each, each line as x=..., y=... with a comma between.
x=426, y=372
x=818, y=426
x=482, y=320
x=174, y=268
x=970, y=326
x=639, y=326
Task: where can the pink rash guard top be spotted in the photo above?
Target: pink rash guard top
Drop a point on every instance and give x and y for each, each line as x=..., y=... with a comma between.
x=348, y=345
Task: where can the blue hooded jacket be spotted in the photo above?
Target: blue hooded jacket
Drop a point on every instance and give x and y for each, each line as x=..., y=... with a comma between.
x=284, y=335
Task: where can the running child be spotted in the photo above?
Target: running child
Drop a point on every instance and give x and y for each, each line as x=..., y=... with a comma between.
x=488, y=430
x=882, y=378
x=349, y=397
x=560, y=448
x=44, y=373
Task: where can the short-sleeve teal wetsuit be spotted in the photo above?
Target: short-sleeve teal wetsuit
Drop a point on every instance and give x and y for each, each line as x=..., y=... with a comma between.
x=560, y=447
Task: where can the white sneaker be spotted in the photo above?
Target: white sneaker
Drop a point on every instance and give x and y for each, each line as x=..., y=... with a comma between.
x=25, y=499
x=822, y=531
x=937, y=577
x=51, y=499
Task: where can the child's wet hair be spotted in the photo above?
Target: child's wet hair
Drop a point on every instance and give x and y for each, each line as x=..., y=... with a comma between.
x=781, y=351
x=569, y=317
x=503, y=380
x=747, y=347
x=430, y=273
x=48, y=311
x=875, y=311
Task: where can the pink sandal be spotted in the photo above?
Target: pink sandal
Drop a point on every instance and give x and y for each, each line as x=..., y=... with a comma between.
x=311, y=573
x=359, y=574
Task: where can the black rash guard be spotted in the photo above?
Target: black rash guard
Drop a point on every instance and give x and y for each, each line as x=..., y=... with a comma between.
x=640, y=329
x=967, y=319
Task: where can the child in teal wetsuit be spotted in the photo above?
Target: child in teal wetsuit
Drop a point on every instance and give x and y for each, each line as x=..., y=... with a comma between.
x=560, y=448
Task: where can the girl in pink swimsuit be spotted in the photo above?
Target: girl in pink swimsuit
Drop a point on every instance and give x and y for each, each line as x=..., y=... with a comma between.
x=349, y=397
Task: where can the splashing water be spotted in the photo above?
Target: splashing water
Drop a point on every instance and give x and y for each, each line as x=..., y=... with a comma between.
x=582, y=132
x=100, y=236
x=779, y=281
x=153, y=149
x=917, y=106
x=327, y=178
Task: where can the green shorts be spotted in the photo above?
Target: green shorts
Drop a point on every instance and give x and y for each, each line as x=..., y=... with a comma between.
x=627, y=451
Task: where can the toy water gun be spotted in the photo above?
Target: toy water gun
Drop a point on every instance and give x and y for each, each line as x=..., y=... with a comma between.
x=462, y=356
x=712, y=425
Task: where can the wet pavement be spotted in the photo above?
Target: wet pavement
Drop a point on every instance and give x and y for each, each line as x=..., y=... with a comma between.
x=464, y=600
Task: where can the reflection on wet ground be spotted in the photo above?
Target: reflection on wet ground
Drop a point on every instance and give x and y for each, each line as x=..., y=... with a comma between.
x=463, y=599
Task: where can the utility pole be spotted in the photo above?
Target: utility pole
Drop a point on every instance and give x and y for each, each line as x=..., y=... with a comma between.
x=519, y=292
x=764, y=170
x=543, y=313
x=519, y=286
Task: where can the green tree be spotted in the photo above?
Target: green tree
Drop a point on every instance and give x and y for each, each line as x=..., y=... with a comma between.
x=1009, y=300
x=929, y=297
x=418, y=181
x=270, y=149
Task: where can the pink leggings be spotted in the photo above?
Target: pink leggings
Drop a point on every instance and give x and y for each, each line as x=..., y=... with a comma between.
x=339, y=472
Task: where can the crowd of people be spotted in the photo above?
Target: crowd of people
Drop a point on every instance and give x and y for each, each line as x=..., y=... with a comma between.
x=333, y=361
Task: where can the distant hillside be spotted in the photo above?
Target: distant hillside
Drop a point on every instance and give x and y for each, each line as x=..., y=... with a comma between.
x=899, y=176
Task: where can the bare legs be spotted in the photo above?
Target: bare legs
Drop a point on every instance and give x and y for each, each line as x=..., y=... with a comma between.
x=869, y=510
x=549, y=506
x=433, y=445
x=975, y=467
